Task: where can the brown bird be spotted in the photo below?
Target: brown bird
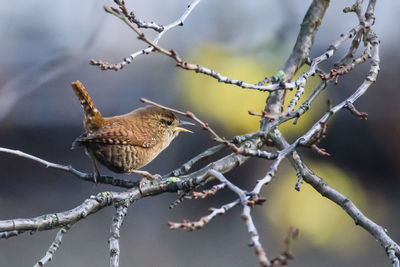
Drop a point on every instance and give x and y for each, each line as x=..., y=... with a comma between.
x=125, y=143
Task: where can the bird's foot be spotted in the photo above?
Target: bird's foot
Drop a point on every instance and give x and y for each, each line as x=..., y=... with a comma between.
x=148, y=175
x=147, y=179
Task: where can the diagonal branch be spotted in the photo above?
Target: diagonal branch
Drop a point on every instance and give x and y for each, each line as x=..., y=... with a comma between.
x=194, y=225
x=300, y=52
x=369, y=80
x=160, y=28
x=53, y=247
x=189, y=164
x=154, y=47
x=246, y=215
x=207, y=192
x=81, y=175
x=13, y=227
x=60, y=219
x=185, y=182
x=378, y=232
x=301, y=81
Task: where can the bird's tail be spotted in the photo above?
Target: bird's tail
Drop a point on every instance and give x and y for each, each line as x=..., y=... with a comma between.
x=93, y=118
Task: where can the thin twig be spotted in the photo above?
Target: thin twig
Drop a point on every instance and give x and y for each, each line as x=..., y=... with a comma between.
x=287, y=254
x=188, y=114
x=207, y=192
x=101, y=200
x=81, y=175
x=188, y=182
x=9, y=234
x=194, y=225
x=273, y=168
x=246, y=215
x=356, y=112
x=301, y=81
x=245, y=151
x=345, y=68
x=53, y=247
x=189, y=164
x=378, y=232
x=369, y=80
x=148, y=50
x=154, y=47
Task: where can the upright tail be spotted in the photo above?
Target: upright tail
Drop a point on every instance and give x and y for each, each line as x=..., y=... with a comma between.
x=93, y=118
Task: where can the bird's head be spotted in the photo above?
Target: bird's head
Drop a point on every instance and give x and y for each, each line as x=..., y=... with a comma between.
x=166, y=122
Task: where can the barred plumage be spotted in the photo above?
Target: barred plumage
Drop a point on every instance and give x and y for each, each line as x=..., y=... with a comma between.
x=126, y=142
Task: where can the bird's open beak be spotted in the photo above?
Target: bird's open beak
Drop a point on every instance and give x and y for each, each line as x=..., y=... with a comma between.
x=180, y=129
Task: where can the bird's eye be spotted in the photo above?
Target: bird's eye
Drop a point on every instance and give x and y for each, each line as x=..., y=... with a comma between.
x=167, y=122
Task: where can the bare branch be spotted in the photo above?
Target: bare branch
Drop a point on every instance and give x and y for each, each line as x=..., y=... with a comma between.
x=356, y=8
x=354, y=111
x=194, y=225
x=251, y=152
x=93, y=204
x=60, y=219
x=115, y=234
x=188, y=165
x=245, y=146
x=300, y=52
x=345, y=68
x=148, y=50
x=301, y=81
x=254, y=237
x=154, y=47
x=378, y=232
x=196, y=195
x=53, y=247
x=287, y=254
x=81, y=175
x=207, y=192
x=9, y=234
x=369, y=80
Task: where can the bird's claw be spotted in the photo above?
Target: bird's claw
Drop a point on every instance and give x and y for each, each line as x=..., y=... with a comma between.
x=148, y=175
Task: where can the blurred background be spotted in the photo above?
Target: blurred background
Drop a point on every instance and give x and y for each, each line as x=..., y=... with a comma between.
x=45, y=45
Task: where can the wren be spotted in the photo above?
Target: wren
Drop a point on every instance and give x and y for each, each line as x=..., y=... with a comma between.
x=127, y=142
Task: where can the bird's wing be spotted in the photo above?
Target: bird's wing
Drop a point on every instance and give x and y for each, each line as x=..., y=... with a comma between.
x=116, y=134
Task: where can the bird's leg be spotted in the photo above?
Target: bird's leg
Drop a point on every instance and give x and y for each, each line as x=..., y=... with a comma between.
x=96, y=173
x=148, y=175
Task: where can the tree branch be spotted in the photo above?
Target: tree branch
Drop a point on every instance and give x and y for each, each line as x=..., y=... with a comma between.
x=188, y=165
x=162, y=30
x=300, y=52
x=145, y=188
x=113, y=241
x=194, y=225
x=378, y=232
x=246, y=215
x=53, y=247
x=249, y=145
x=154, y=47
x=88, y=177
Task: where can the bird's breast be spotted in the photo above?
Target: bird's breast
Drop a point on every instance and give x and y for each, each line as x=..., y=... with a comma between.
x=123, y=158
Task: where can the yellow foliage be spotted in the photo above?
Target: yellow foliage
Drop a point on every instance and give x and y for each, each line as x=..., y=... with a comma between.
x=229, y=104
x=320, y=220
